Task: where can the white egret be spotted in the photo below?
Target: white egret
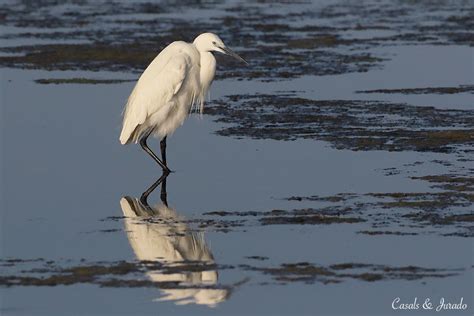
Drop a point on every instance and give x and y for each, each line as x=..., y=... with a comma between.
x=178, y=78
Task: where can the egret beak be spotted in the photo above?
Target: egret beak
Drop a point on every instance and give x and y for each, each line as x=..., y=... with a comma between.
x=229, y=52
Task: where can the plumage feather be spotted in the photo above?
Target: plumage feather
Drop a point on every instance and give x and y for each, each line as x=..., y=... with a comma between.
x=151, y=105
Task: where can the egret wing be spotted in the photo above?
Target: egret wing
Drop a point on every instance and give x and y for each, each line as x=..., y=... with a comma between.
x=154, y=91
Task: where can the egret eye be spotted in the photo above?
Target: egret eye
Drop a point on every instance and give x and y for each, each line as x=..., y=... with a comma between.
x=214, y=43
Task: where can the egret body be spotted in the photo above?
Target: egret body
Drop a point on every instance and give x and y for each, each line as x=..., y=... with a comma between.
x=175, y=81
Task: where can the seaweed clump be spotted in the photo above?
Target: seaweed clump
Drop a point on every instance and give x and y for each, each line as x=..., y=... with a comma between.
x=346, y=124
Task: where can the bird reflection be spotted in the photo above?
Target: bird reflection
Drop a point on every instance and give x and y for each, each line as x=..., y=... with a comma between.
x=166, y=238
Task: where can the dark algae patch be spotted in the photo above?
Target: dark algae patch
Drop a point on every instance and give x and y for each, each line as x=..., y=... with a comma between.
x=336, y=273
x=442, y=220
x=91, y=57
x=106, y=274
x=453, y=182
x=446, y=213
x=308, y=220
x=334, y=198
x=386, y=232
x=306, y=216
x=346, y=124
x=259, y=258
x=394, y=213
x=425, y=201
x=80, y=81
x=133, y=274
x=432, y=90
x=69, y=276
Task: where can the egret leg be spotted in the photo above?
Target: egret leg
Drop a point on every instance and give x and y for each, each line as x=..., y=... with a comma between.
x=152, y=154
x=163, y=150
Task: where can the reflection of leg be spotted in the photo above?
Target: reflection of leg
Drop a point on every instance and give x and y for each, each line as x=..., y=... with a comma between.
x=152, y=154
x=163, y=150
x=162, y=179
x=164, y=194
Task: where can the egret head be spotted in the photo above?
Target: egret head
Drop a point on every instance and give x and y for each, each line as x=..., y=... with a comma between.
x=209, y=42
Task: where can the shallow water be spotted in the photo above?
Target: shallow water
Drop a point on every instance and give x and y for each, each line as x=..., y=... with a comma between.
x=257, y=225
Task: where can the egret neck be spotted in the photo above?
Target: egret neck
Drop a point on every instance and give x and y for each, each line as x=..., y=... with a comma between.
x=208, y=69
